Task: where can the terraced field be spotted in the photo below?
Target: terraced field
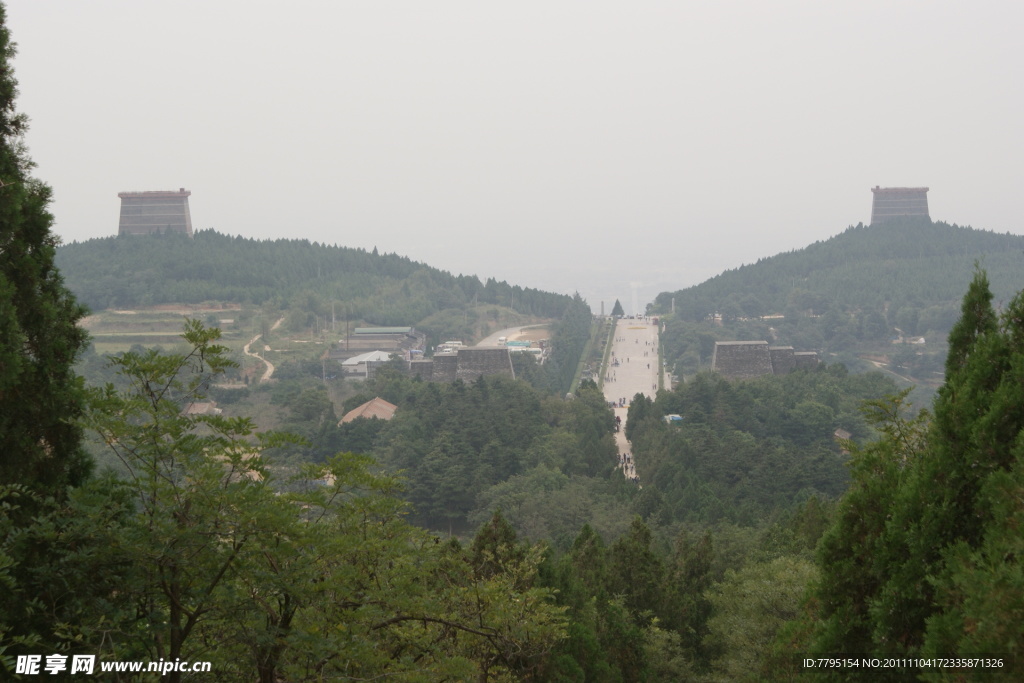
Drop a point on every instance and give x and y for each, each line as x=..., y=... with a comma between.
x=114, y=331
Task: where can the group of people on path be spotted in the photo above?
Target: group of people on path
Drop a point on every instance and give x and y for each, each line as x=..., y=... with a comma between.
x=628, y=466
x=619, y=359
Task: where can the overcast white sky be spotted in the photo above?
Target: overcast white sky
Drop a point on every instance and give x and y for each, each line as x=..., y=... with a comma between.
x=571, y=146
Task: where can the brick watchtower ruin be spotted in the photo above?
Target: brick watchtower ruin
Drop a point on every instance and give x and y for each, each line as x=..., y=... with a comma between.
x=893, y=202
x=147, y=213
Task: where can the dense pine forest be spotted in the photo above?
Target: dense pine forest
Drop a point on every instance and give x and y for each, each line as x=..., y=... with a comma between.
x=749, y=451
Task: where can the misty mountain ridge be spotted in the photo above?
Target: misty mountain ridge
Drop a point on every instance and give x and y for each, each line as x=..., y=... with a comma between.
x=880, y=297
x=906, y=262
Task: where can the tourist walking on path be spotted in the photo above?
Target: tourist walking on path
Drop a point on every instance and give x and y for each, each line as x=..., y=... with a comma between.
x=635, y=380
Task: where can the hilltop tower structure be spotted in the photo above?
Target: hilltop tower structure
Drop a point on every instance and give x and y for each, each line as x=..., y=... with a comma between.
x=147, y=213
x=893, y=202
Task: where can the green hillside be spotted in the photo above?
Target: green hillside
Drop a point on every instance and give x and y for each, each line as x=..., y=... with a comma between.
x=849, y=297
x=387, y=289
x=909, y=262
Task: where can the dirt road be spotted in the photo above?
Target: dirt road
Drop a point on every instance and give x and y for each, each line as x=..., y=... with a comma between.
x=270, y=366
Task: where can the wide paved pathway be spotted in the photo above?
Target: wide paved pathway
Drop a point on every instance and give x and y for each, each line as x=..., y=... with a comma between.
x=632, y=369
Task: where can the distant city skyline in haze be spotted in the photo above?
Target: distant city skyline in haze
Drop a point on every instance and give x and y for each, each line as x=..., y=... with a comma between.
x=615, y=149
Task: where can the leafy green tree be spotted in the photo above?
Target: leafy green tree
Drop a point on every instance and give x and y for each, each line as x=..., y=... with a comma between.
x=592, y=423
x=636, y=572
x=495, y=546
x=57, y=570
x=189, y=474
x=666, y=656
x=544, y=504
x=810, y=421
x=748, y=449
x=750, y=607
x=570, y=339
x=372, y=596
x=641, y=408
x=688, y=579
x=605, y=641
x=469, y=449
x=321, y=580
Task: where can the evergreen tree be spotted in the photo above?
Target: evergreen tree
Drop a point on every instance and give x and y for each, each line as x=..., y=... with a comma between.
x=976, y=319
x=617, y=310
x=688, y=579
x=850, y=554
x=977, y=461
x=39, y=334
x=924, y=558
x=939, y=506
x=751, y=605
x=495, y=547
x=636, y=572
x=40, y=399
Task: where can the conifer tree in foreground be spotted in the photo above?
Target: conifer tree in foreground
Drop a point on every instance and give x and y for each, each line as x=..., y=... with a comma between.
x=925, y=557
x=41, y=454
x=40, y=398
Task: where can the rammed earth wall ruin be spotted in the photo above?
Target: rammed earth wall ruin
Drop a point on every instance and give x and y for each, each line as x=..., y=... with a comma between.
x=466, y=364
x=749, y=359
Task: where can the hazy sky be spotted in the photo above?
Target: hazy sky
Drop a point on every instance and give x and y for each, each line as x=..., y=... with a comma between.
x=571, y=146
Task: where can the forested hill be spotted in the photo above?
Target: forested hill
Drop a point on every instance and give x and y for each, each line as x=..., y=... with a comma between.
x=125, y=272
x=913, y=263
